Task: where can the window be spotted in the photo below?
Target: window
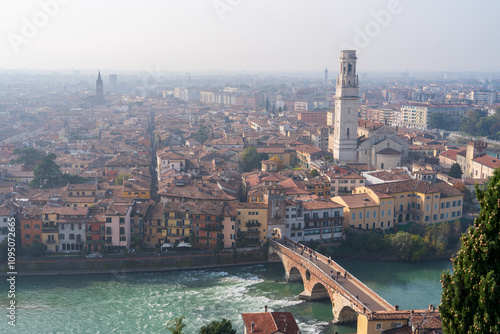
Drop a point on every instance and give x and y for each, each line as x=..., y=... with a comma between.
x=382, y=213
x=388, y=212
x=427, y=218
x=435, y=206
x=459, y=213
x=381, y=224
x=354, y=216
x=108, y=230
x=26, y=226
x=361, y=215
x=374, y=214
x=108, y=219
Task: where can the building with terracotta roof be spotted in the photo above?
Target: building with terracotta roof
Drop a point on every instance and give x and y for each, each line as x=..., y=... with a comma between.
x=484, y=166
x=416, y=201
x=270, y=323
x=400, y=322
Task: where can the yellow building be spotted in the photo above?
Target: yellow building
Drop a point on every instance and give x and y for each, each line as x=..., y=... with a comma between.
x=251, y=219
x=418, y=200
x=135, y=190
x=367, y=212
x=405, y=321
x=178, y=225
x=288, y=156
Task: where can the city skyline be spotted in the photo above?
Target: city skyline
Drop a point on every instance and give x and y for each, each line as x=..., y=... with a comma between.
x=237, y=35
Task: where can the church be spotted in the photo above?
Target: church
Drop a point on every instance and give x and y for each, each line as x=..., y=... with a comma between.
x=356, y=140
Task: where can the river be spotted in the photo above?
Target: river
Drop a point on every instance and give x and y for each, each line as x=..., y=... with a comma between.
x=144, y=302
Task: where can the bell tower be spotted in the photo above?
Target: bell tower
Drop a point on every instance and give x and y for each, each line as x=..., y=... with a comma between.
x=99, y=91
x=345, y=133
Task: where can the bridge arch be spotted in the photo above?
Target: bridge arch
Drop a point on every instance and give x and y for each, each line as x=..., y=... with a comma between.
x=346, y=315
x=294, y=275
x=319, y=291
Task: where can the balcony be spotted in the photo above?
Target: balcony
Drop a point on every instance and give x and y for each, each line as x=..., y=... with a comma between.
x=252, y=224
x=48, y=242
x=211, y=228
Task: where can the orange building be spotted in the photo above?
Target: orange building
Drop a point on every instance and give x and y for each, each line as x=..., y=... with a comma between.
x=31, y=225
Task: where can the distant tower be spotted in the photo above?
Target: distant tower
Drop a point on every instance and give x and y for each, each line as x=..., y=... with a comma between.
x=113, y=80
x=326, y=76
x=99, y=89
x=345, y=135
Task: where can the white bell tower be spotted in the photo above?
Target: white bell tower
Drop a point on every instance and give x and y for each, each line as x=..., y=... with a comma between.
x=345, y=132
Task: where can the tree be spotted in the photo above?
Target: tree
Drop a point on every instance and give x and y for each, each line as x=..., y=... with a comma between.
x=47, y=173
x=279, y=110
x=314, y=173
x=202, y=134
x=175, y=326
x=273, y=111
x=455, y=171
x=469, y=301
x=251, y=159
x=36, y=249
x=27, y=156
x=218, y=327
x=120, y=178
x=267, y=104
x=279, y=162
x=437, y=120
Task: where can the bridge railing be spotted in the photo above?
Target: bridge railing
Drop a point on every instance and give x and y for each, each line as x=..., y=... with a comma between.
x=352, y=278
x=349, y=296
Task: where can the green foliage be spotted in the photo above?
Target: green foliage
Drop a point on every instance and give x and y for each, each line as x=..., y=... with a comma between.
x=120, y=178
x=218, y=327
x=28, y=156
x=455, y=171
x=73, y=179
x=279, y=162
x=314, y=173
x=4, y=250
x=478, y=123
x=202, y=134
x=36, y=249
x=469, y=301
x=47, y=173
x=176, y=326
x=437, y=120
x=251, y=159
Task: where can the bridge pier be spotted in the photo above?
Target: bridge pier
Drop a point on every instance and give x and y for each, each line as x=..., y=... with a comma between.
x=306, y=295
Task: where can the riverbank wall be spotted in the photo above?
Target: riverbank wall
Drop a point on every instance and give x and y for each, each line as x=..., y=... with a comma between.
x=125, y=263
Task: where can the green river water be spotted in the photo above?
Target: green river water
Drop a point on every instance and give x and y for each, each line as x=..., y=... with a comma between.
x=144, y=302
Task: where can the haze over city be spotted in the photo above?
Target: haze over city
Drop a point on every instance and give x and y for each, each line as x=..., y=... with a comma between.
x=238, y=35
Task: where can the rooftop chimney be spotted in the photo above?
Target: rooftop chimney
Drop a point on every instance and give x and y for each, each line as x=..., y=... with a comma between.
x=265, y=308
x=252, y=327
x=396, y=307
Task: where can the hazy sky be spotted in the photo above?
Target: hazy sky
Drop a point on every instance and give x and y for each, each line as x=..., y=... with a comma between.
x=251, y=35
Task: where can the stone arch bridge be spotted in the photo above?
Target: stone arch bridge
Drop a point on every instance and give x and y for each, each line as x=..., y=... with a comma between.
x=348, y=295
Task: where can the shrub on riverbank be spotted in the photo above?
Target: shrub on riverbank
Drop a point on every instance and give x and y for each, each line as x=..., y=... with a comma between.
x=420, y=242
